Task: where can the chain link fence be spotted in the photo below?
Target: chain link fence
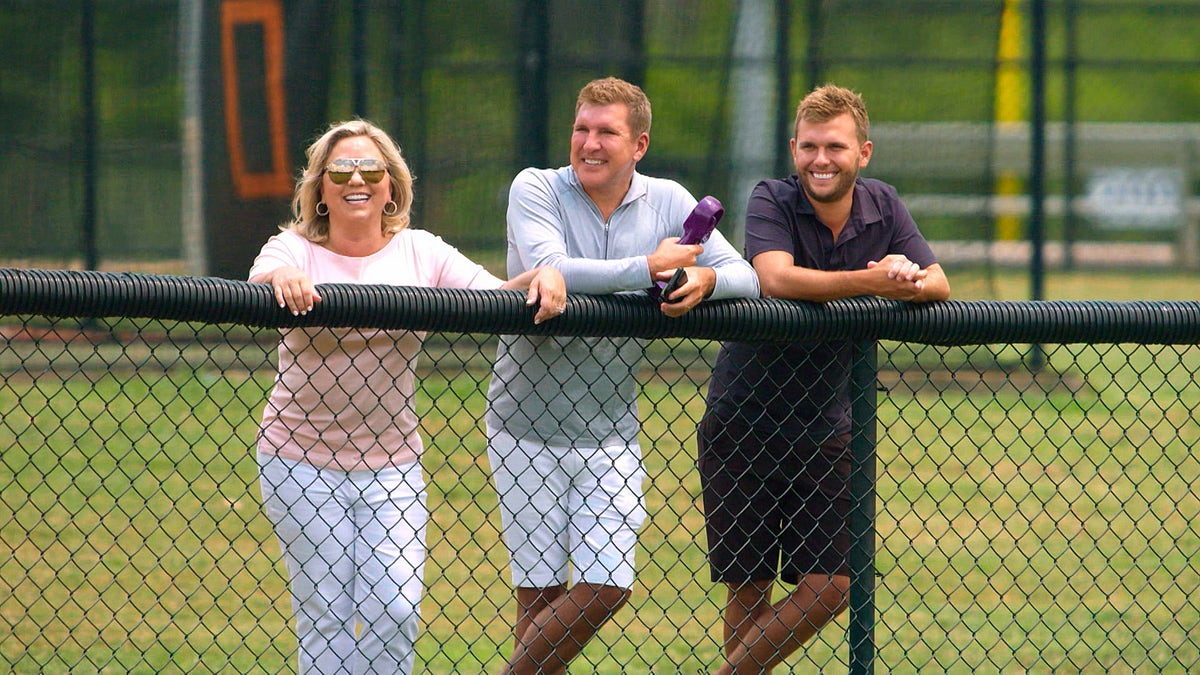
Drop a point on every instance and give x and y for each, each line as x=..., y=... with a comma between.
x=1035, y=490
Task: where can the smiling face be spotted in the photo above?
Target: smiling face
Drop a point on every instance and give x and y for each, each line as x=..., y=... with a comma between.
x=604, y=151
x=356, y=201
x=828, y=157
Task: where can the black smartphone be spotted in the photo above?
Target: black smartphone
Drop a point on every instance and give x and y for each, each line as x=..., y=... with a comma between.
x=678, y=279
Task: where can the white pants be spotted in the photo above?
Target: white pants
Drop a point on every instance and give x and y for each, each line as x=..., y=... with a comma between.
x=354, y=544
x=560, y=506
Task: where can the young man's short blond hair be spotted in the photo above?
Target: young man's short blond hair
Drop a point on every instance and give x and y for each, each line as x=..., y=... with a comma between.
x=610, y=90
x=827, y=102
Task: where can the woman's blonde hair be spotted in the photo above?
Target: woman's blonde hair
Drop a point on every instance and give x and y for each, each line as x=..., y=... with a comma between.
x=306, y=222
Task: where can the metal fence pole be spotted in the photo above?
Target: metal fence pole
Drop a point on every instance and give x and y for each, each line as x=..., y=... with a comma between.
x=1037, y=146
x=1037, y=160
x=784, y=106
x=358, y=53
x=862, y=506
x=532, y=84
x=91, y=255
x=1070, y=80
x=814, y=66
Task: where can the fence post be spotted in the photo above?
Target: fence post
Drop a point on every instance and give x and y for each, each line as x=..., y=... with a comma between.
x=532, y=84
x=91, y=123
x=863, y=377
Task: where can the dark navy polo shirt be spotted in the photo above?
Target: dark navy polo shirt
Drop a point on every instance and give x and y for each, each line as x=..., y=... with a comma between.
x=793, y=391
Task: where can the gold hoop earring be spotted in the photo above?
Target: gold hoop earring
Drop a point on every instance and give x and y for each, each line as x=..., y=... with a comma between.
x=322, y=205
x=392, y=205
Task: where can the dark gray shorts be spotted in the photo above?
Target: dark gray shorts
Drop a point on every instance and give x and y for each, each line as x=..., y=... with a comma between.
x=773, y=507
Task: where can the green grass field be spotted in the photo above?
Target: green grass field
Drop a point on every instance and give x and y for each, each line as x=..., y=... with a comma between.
x=1025, y=523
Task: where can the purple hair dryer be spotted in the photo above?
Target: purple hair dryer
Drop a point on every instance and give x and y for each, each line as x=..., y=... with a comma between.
x=696, y=229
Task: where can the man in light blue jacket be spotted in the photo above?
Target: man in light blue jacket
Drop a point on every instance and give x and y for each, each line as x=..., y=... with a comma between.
x=562, y=417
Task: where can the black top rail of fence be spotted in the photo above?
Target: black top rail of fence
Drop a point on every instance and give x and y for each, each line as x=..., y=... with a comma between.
x=85, y=294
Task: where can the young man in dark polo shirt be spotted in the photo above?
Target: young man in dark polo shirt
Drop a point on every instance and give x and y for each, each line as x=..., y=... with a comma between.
x=773, y=443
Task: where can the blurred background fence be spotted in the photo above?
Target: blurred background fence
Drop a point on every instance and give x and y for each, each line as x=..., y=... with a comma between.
x=121, y=145
x=1027, y=518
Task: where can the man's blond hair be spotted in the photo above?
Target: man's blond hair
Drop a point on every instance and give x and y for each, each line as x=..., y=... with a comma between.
x=609, y=90
x=829, y=101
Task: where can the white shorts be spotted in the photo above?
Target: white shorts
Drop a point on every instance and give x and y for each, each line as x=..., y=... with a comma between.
x=578, y=505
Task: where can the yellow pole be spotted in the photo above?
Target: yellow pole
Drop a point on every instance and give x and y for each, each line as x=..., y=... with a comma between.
x=1010, y=107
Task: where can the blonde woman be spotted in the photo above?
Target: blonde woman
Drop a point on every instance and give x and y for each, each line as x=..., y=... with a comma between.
x=338, y=448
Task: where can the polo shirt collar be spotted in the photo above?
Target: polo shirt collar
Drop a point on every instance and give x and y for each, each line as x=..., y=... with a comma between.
x=864, y=206
x=863, y=211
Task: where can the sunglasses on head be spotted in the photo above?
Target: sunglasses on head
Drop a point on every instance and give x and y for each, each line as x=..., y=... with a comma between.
x=341, y=170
